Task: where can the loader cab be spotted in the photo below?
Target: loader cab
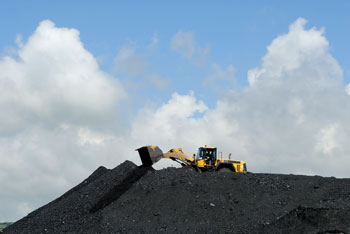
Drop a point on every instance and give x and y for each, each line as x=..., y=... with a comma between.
x=206, y=153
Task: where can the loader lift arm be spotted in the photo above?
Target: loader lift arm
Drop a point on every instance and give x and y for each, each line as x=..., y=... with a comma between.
x=151, y=154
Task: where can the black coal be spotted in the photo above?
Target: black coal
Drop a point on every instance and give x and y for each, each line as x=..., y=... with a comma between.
x=131, y=199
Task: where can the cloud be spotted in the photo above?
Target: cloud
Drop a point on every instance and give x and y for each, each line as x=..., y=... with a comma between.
x=154, y=41
x=58, y=110
x=347, y=89
x=326, y=139
x=159, y=81
x=221, y=77
x=54, y=80
x=224, y=74
x=185, y=44
x=299, y=50
x=129, y=63
x=292, y=118
x=167, y=120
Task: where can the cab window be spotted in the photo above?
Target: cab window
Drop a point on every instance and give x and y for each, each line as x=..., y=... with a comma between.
x=206, y=154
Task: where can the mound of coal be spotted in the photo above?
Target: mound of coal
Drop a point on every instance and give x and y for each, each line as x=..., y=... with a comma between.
x=131, y=199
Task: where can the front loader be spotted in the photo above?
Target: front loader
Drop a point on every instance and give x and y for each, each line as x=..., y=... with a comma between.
x=205, y=160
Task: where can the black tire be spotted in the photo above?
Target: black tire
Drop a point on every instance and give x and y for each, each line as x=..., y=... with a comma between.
x=225, y=169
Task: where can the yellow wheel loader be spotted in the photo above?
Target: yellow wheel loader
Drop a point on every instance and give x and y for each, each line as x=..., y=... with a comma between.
x=206, y=159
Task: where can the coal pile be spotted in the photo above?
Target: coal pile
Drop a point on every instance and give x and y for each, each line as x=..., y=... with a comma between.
x=131, y=199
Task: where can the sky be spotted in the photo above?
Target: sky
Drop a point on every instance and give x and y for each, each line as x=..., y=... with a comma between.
x=83, y=84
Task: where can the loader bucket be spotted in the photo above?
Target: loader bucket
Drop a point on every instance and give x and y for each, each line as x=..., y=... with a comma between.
x=150, y=154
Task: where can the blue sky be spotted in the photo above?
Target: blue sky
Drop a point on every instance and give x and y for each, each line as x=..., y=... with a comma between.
x=85, y=83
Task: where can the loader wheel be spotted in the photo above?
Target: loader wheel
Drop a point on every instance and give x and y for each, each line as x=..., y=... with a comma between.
x=225, y=169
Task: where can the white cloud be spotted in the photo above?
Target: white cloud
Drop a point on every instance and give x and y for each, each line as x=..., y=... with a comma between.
x=300, y=49
x=19, y=40
x=185, y=44
x=164, y=124
x=160, y=82
x=129, y=63
x=326, y=139
x=224, y=74
x=295, y=107
x=347, y=89
x=54, y=80
x=87, y=136
x=220, y=78
x=154, y=41
x=58, y=109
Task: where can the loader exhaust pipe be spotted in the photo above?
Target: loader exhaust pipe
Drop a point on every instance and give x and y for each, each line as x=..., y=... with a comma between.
x=149, y=155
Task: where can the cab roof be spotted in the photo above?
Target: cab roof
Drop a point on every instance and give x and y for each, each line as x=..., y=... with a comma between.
x=207, y=147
